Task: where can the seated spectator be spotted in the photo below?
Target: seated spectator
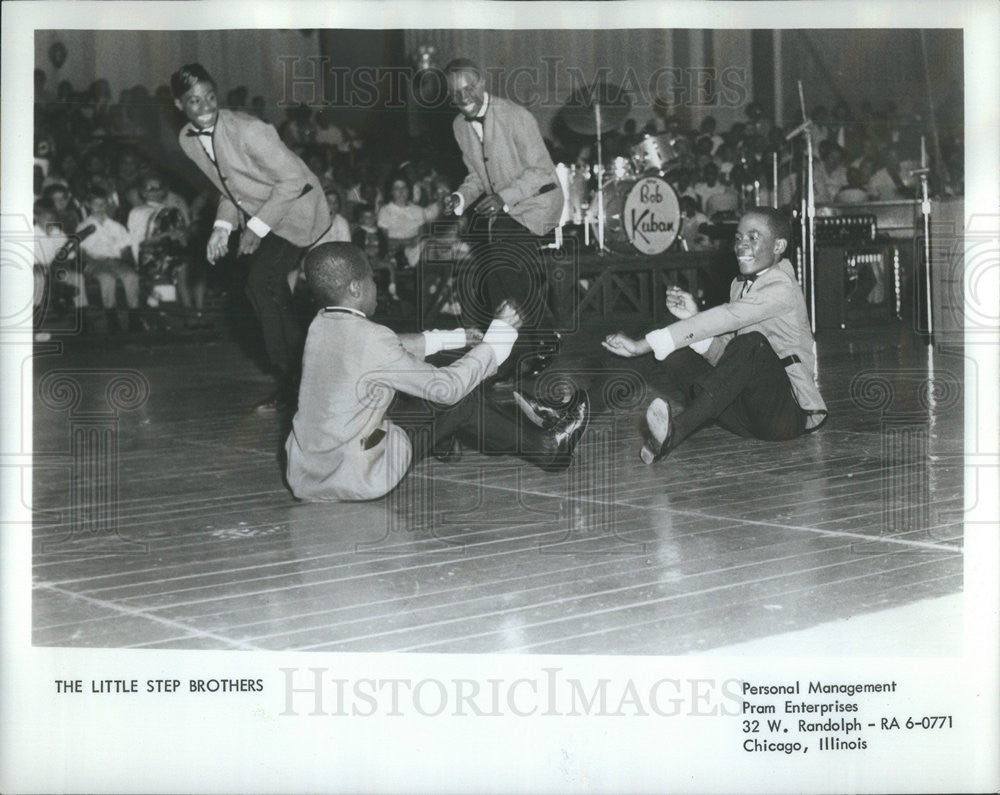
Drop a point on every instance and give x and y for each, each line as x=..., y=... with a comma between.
x=340, y=230
x=725, y=202
x=683, y=186
x=158, y=227
x=887, y=182
x=829, y=175
x=55, y=263
x=707, y=131
x=154, y=195
x=363, y=190
x=403, y=221
x=107, y=257
x=371, y=239
x=328, y=134
x=128, y=181
x=692, y=238
x=709, y=185
x=64, y=208
x=856, y=189
x=94, y=174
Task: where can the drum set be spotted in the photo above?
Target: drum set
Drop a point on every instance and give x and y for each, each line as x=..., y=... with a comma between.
x=629, y=204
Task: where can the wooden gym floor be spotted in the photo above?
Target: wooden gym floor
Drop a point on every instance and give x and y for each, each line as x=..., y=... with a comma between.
x=729, y=541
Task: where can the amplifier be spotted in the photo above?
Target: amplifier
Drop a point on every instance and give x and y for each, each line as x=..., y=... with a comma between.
x=856, y=286
x=856, y=229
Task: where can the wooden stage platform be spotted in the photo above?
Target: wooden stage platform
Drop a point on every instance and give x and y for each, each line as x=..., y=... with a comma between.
x=728, y=541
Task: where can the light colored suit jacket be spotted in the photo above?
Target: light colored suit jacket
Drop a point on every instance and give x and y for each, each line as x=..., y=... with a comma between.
x=511, y=161
x=258, y=175
x=775, y=307
x=351, y=370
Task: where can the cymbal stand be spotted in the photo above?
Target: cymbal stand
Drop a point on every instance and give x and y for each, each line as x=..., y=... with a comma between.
x=600, y=180
x=809, y=221
x=925, y=211
x=774, y=179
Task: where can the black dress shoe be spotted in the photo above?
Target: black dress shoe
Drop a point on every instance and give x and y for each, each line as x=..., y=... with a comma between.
x=541, y=414
x=659, y=431
x=449, y=452
x=567, y=432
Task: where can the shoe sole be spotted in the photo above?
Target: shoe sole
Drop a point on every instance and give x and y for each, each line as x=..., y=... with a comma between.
x=561, y=464
x=526, y=409
x=658, y=423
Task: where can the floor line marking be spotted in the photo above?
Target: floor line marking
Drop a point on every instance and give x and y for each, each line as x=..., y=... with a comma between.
x=755, y=522
x=139, y=613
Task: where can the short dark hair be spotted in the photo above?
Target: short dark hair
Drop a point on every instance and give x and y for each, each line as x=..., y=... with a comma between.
x=463, y=65
x=777, y=222
x=330, y=269
x=95, y=191
x=52, y=189
x=185, y=78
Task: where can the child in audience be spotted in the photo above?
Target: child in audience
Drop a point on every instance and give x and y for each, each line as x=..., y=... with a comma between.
x=107, y=257
x=55, y=262
x=371, y=239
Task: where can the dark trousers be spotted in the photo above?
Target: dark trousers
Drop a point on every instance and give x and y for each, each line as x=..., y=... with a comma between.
x=271, y=298
x=505, y=263
x=480, y=423
x=746, y=392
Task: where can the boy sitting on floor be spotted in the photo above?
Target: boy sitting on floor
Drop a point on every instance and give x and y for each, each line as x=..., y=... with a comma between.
x=352, y=439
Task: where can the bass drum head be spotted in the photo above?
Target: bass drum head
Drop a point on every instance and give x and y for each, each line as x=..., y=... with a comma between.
x=641, y=215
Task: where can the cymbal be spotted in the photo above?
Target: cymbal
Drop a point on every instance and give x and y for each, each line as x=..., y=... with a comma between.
x=579, y=112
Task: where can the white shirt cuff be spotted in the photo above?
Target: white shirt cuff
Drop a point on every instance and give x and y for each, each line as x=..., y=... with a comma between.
x=701, y=346
x=501, y=338
x=443, y=340
x=258, y=227
x=223, y=225
x=460, y=207
x=661, y=342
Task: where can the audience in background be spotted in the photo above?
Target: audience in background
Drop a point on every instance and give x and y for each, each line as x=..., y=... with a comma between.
x=122, y=157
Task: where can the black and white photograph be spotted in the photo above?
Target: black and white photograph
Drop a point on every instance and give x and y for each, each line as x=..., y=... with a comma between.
x=582, y=396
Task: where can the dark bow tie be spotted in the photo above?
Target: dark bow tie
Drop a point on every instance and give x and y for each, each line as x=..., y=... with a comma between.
x=747, y=277
x=196, y=133
x=480, y=119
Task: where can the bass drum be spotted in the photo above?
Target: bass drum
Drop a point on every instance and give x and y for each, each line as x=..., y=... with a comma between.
x=641, y=216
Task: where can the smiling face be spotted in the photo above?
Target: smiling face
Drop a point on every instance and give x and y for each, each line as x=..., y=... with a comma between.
x=199, y=104
x=467, y=92
x=153, y=190
x=755, y=245
x=98, y=207
x=400, y=193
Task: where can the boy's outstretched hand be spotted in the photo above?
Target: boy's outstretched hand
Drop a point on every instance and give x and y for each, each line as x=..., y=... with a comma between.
x=621, y=345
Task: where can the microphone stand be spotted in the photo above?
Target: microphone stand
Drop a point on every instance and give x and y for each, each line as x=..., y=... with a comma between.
x=600, y=180
x=925, y=211
x=809, y=217
x=774, y=180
